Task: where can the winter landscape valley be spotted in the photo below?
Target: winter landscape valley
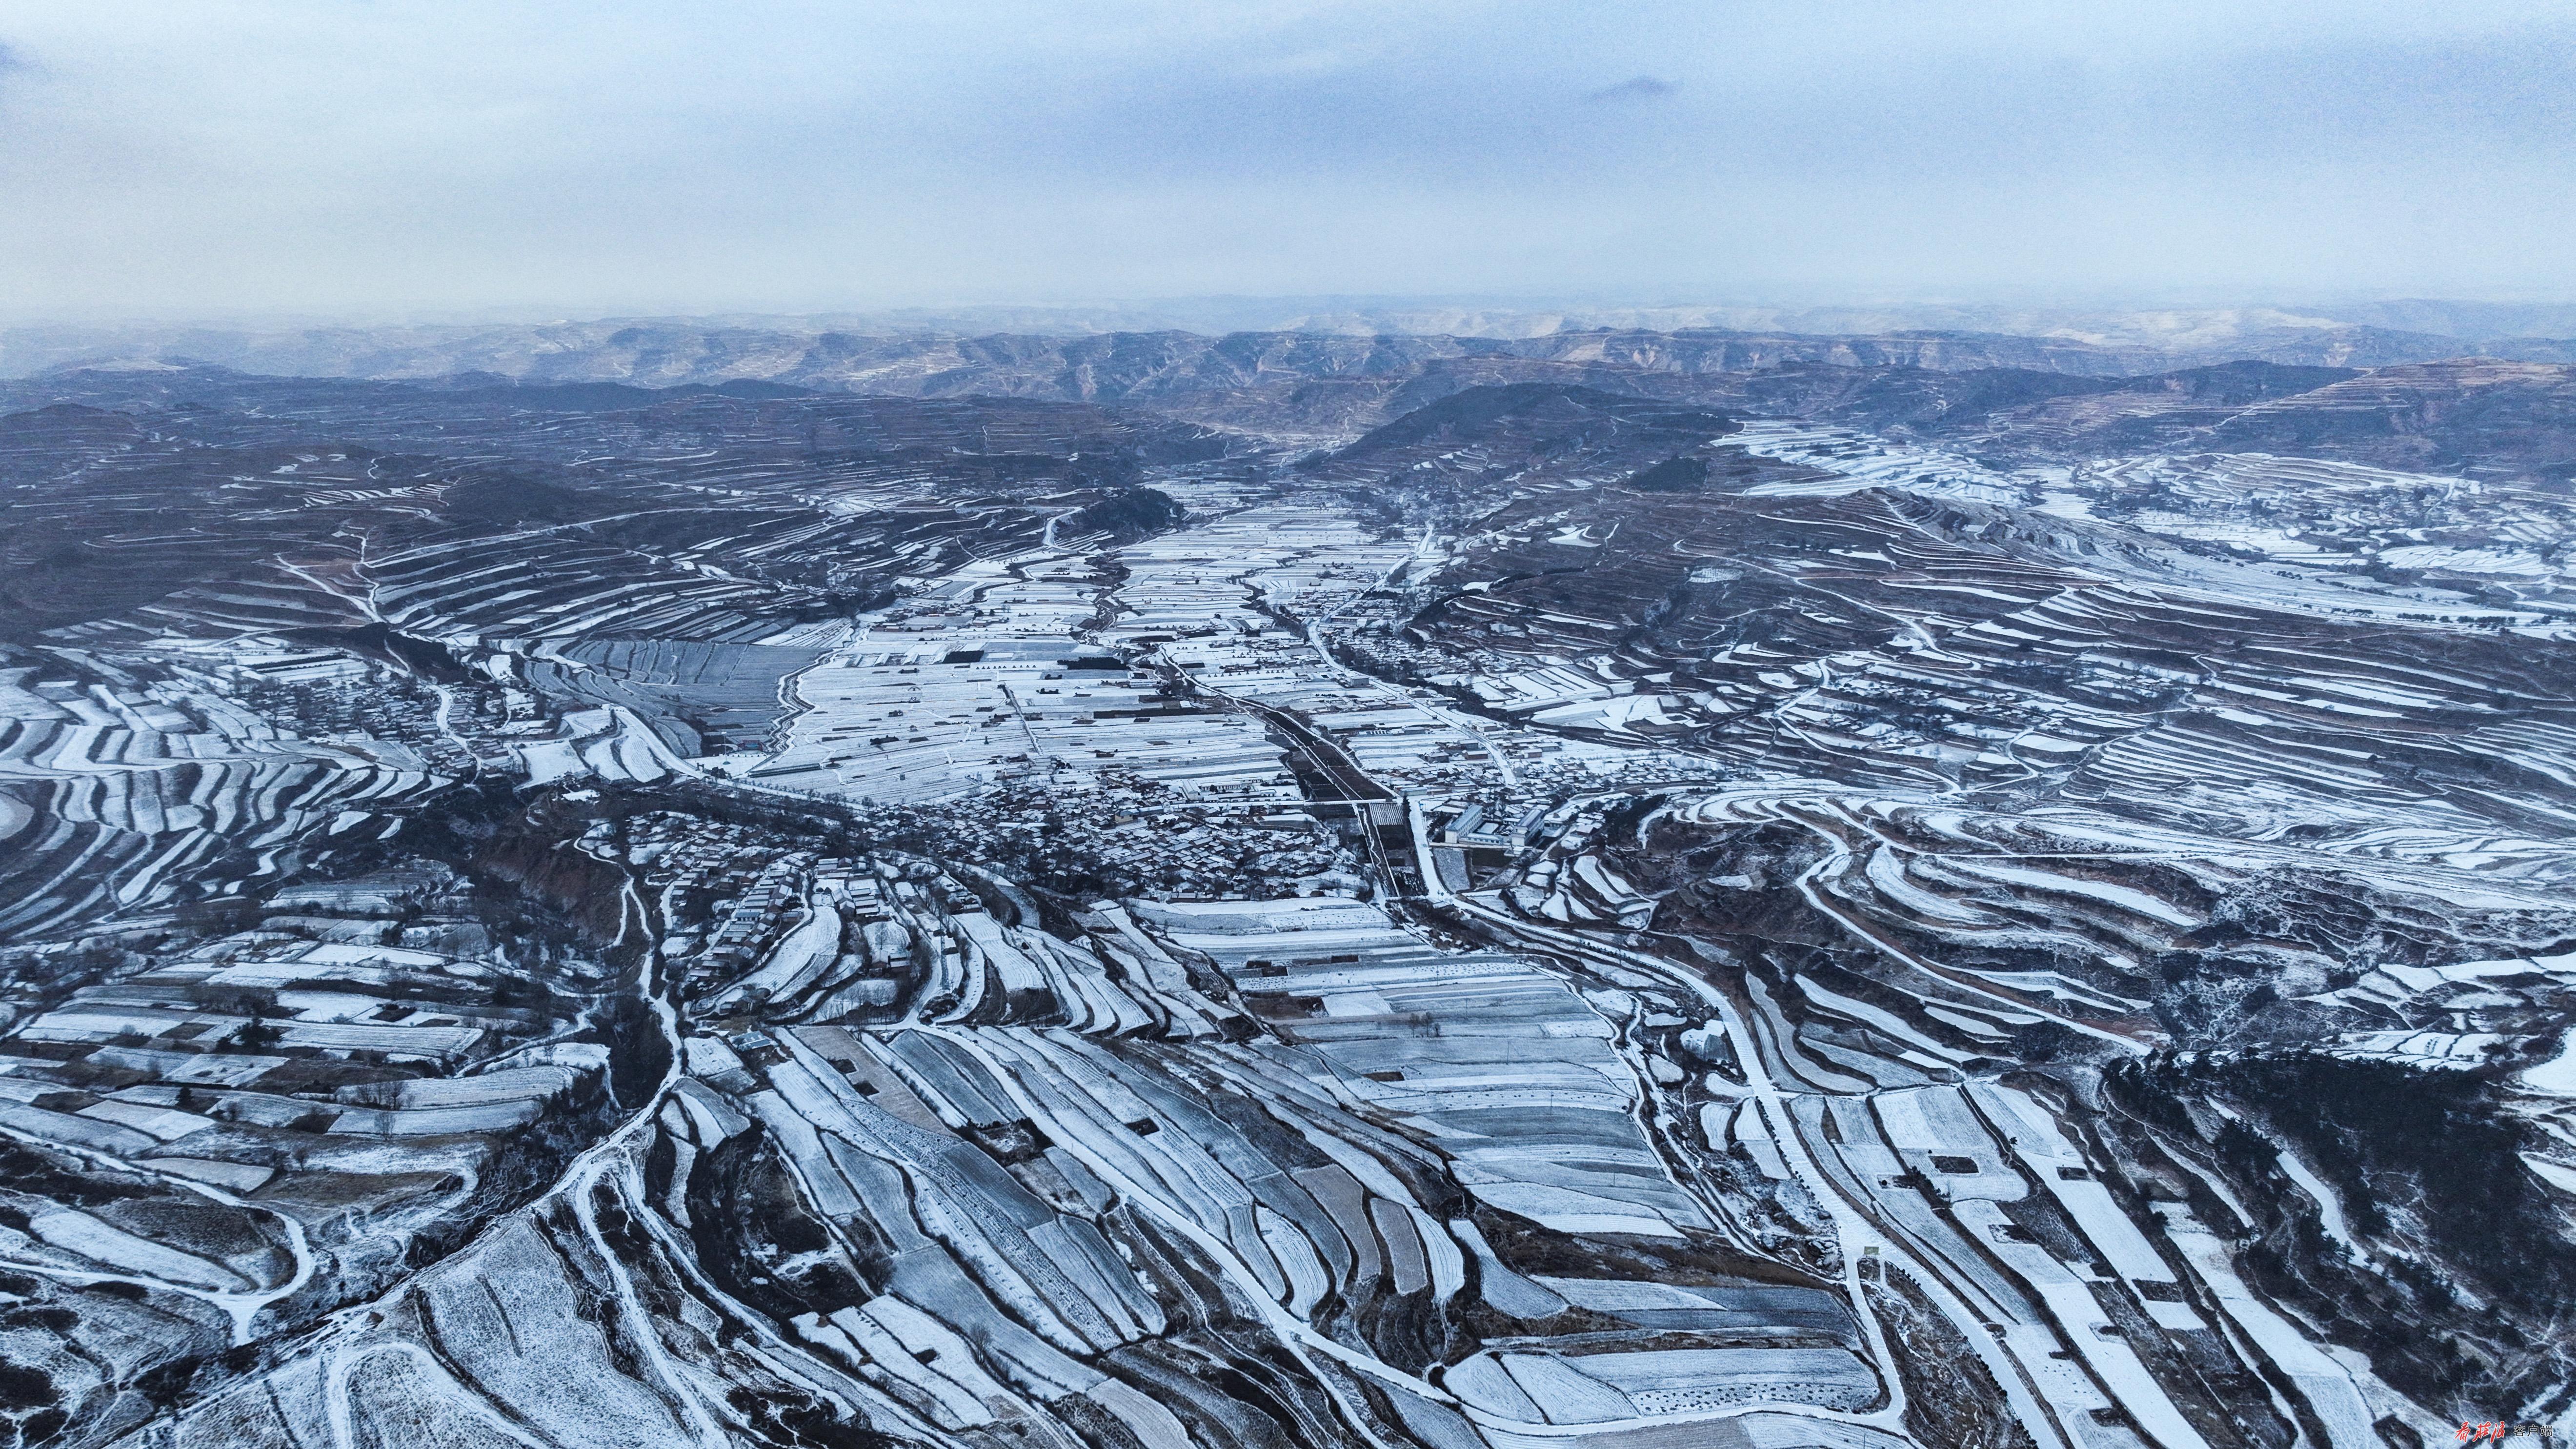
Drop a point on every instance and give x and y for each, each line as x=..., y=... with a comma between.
x=1619, y=889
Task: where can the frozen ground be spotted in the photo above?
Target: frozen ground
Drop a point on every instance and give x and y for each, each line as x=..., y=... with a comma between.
x=1575, y=919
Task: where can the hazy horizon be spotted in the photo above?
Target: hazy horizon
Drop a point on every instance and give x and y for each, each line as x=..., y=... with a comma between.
x=2536, y=314
x=405, y=161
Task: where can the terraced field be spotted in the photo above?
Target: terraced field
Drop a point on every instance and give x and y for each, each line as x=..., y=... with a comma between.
x=1614, y=895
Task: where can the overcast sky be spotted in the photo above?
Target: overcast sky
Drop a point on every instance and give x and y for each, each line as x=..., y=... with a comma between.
x=199, y=158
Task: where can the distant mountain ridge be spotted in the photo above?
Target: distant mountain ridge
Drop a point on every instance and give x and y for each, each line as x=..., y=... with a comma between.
x=1142, y=366
x=2480, y=417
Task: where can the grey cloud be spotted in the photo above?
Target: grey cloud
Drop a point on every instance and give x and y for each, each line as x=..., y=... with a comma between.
x=1636, y=88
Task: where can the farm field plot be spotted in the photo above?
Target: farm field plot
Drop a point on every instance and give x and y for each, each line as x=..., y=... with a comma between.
x=1617, y=892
